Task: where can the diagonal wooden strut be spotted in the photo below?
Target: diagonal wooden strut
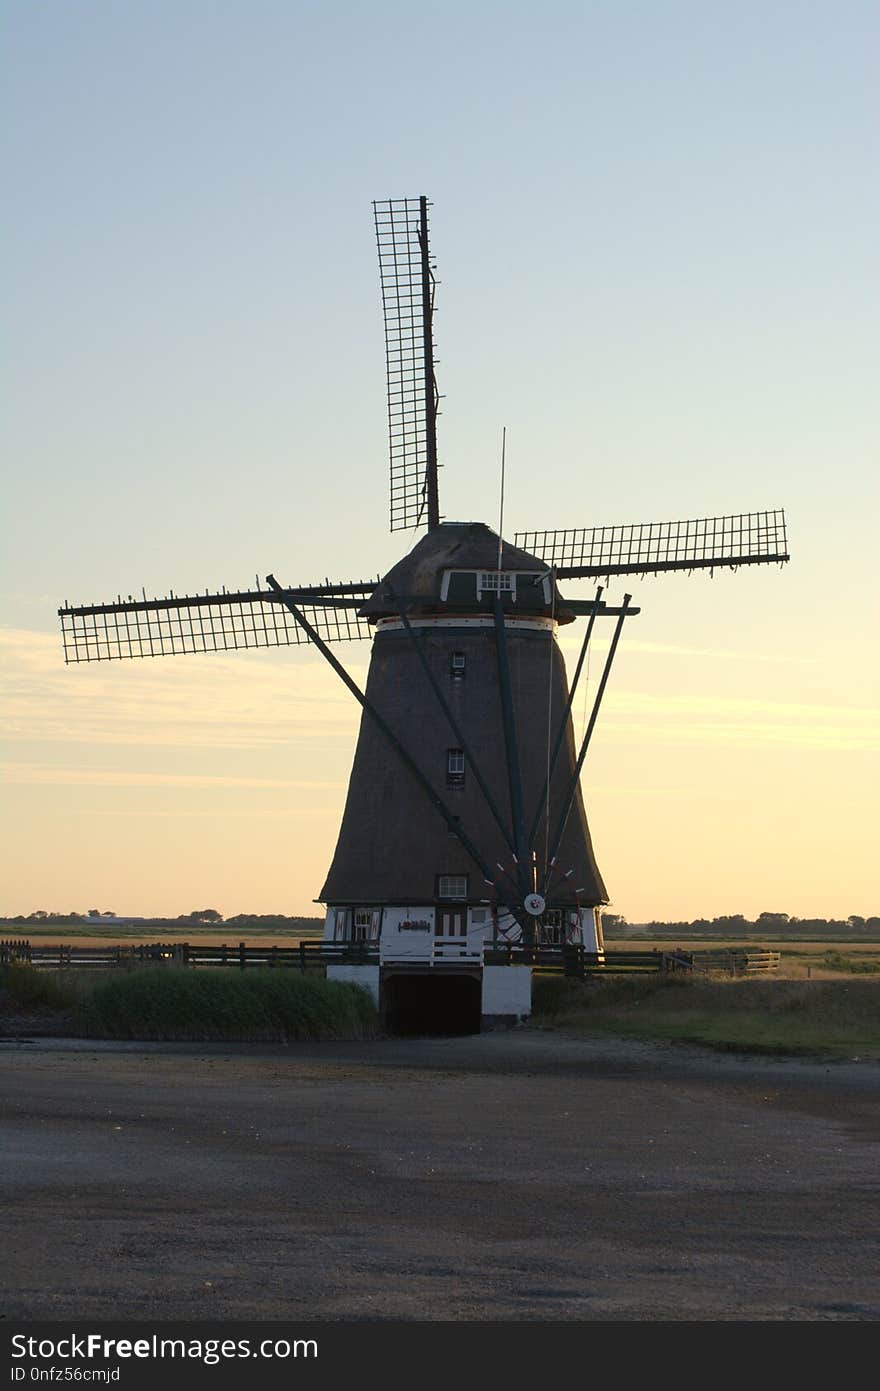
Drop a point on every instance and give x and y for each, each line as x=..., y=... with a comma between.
x=563, y=724
x=514, y=776
x=575, y=777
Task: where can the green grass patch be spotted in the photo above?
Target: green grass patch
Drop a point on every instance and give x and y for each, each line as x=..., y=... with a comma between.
x=831, y=1018
x=24, y=989
x=836, y=961
x=266, y=1005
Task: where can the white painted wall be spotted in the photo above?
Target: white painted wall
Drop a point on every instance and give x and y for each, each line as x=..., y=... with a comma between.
x=591, y=930
x=365, y=976
x=399, y=943
x=329, y=924
x=507, y=990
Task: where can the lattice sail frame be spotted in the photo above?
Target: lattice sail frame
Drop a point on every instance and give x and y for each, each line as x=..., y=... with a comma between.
x=407, y=279
x=642, y=548
x=224, y=622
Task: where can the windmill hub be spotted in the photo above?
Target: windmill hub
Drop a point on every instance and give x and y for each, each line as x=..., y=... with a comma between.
x=464, y=830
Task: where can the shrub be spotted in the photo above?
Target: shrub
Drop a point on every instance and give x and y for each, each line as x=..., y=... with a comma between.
x=177, y=1003
x=746, y=1014
x=836, y=961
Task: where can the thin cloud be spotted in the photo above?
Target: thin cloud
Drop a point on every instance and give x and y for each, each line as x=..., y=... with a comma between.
x=601, y=641
x=210, y=701
x=41, y=774
x=728, y=720
x=292, y=700
x=312, y=816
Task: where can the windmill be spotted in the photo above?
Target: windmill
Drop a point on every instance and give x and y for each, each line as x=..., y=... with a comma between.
x=464, y=821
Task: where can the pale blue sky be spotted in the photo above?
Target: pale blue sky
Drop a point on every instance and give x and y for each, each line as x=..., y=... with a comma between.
x=655, y=228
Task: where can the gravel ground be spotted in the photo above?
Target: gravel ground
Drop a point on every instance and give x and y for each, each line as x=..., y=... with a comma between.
x=521, y=1175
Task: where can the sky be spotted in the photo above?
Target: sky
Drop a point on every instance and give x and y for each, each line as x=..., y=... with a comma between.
x=655, y=228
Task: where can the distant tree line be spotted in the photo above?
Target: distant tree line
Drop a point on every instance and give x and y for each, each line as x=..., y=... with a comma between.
x=732, y=923
x=728, y=924
x=198, y=915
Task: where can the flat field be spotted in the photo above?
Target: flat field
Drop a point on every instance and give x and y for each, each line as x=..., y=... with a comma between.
x=211, y=933
x=513, y=1176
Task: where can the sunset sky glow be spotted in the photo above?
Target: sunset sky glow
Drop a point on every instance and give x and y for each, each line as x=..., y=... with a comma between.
x=655, y=229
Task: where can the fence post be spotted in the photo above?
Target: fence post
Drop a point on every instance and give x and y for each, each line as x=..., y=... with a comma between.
x=302, y=956
x=242, y=959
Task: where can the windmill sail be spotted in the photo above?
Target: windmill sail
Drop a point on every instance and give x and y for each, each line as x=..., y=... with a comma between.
x=646, y=548
x=223, y=622
x=407, y=278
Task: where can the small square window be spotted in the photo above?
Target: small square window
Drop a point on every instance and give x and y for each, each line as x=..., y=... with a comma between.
x=454, y=767
x=361, y=924
x=364, y=924
x=452, y=885
x=552, y=929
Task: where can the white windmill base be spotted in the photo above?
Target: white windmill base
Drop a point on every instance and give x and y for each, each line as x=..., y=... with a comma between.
x=402, y=948
x=505, y=991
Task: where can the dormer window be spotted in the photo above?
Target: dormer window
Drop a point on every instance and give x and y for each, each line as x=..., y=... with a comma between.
x=465, y=586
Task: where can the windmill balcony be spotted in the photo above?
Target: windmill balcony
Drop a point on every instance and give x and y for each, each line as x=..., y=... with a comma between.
x=426, y=934
x=430, y=950
x=447, y=934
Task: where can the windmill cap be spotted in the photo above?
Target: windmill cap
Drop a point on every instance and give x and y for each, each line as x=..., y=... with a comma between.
x=457, y=546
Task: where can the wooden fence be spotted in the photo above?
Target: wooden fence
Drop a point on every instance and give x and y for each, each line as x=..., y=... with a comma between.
x=737, y=961
x=579, y=963
x=572, y=961
x=304, y=956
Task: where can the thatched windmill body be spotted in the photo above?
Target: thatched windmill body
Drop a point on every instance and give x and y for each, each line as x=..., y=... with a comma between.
x=464, y=820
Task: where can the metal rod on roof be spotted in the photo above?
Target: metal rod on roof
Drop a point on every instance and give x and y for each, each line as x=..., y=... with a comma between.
x=501, y=509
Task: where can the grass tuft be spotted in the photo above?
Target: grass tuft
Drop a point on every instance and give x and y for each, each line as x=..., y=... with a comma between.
x=22, y=987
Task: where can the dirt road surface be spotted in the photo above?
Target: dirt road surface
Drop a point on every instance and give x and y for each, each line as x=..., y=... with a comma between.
x=519, y=1175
